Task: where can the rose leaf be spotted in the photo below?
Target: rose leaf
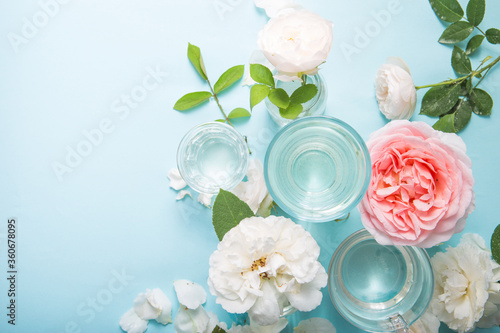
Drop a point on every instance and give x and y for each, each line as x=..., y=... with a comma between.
x=481, y=102
x=239, y=113
x=473, y=44
x=196, y=60
x=462, y=116
x=304, y=93
x=228, y=211
x=445, y=124
x=279, y=97
x=228, y=78
x=258, y=93
x=456, y=32
x=495, y=244
x=460, y=61
x=292, y=111
x=475, y=11
x=261, y=74
x=493, y=36
x=447, y=10
x=439, y=100
x=191, y=100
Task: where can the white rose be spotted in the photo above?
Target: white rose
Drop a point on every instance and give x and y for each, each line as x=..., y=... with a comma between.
x=254, y=191
x=395, y=90
x=296, y=42
x=263, y=263
x=466, y=287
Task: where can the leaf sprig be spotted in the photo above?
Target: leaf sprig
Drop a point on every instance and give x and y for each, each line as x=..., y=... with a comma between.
x=290, y=106
x=226, y=80
x=454, y=100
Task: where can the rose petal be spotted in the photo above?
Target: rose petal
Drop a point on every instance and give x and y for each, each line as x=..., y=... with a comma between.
x=191, y=321
x=182, y=194
x=176, y=180
x=131, y=323
x=316, y=325
x=190, y=294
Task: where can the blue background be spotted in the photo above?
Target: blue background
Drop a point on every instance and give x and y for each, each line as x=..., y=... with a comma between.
x=114, y=213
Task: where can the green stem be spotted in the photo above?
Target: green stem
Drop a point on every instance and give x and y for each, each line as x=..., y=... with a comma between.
x=481, y=31
x=218, y=104
x=463, y=78
x=304, y=79
x=223, y=113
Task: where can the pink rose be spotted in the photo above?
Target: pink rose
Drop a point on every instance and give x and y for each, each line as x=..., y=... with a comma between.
x=420, y=191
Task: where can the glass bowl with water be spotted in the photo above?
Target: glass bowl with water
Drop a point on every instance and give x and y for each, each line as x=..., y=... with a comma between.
x=317, y=168
x=379, y=288
x=212, y=156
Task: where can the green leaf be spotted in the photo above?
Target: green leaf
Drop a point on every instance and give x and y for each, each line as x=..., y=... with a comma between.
x=217, y=329
x=191, y=100
x=439, y=100
x=279, y=97
x=462, y=115
x=466, y=87
x=261, y=74
x=258, y=93
x=292, y=111
x=228, y=211
x=460, y=61
x=221, y=120
x=239, y=113
x=456, y=32
x=481, y=102
x=475, y=11
x=304, y=93
x=195, y=58
x=473, y=44
x=495, y=244
x=493, y=36
x=228, y=78
x=445, y=124
x=447, y=10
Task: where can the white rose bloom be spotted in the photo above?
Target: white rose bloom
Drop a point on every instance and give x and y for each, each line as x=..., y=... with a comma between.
x=273, y=7
x=466, y=286
x=254, y=191
x=395, y=90
x=261, y=264
x=254, y=328
x=316, y=325
x=296, y=42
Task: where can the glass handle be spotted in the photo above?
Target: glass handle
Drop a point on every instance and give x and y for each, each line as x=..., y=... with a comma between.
x=399, y=324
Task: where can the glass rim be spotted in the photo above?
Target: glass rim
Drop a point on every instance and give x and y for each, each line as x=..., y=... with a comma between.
x=188, y=137
x=349, y=129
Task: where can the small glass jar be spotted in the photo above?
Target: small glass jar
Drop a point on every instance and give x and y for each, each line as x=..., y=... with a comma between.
x=317, y=169
x=314, y=107
x=212, y=156
x=379, y=288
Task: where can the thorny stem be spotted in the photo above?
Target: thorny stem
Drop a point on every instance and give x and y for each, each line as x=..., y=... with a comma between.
x=223, y=113
x=463, y=78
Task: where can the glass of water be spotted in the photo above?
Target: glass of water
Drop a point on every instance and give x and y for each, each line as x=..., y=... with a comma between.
x=317, y=169
x=212, y=156
x=379, y=288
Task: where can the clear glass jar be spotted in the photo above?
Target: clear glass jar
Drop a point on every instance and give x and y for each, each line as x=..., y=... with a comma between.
x=380, y=288
x=317, y=169
x=315, y=107
x=212, y=156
